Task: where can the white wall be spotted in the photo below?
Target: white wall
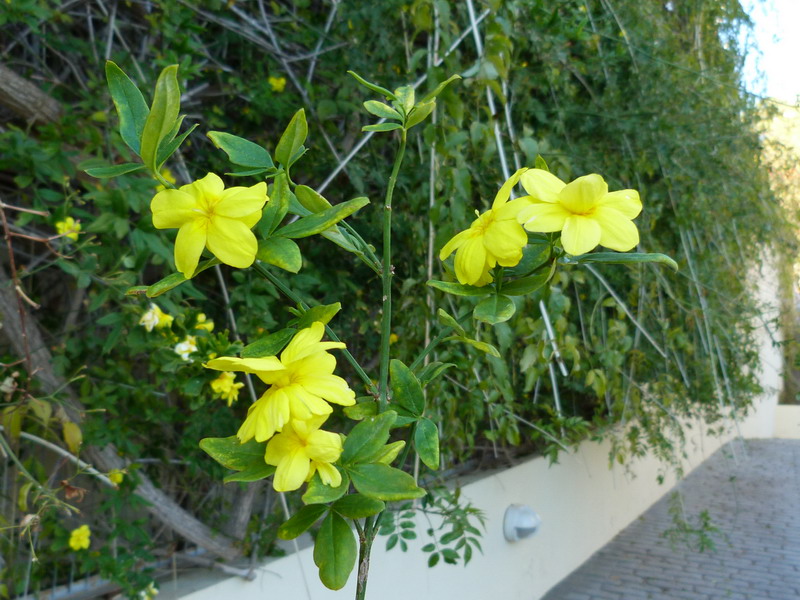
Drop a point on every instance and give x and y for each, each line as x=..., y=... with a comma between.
x=583, y=504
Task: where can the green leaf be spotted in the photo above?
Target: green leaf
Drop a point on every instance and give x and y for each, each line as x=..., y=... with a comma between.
x=130, y=104
x=358, y=506
x=494, y=309
x=278, y=205
x=292, y=139
x=449, y=320
x=301, y=521
x=335, y=551
x=432, y=370
x=526, y=285
x=322, y=313
x=384, y=111
x=319, y=493
x=169, y=145
x=534, y=255
x=253, y=473
x=310, y=199
x=281, y=252
x=361, y=410
x=426, y=441
x=390, y=451
x=482, y=346
x=540, y=163
x=232, y=455
x=405, y=98
x=439, y=89
x=382, y=127
x=163, y=114
x=365, y=442
x=419, y=113
x=113, y=170
x=406, y=390
x=247, y=173
x=375, y=88
x=622, y=258
x=458, y=289
x=175, y=279
x=384, y=482
x=319, y=222
x=240, y=151
x=270, y=345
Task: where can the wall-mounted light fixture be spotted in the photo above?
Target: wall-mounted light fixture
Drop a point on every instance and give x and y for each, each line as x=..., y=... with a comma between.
x=520, y=522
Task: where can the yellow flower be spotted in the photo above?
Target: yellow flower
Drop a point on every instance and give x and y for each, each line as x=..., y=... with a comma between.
x=301, y=382
x=186, y=347
x=583, y=211
x=116, y=476
x=300, y=450
x=225, y=387
x=204, y=322
x=166, y=174
x=155, y=318
x=69, y=228
x=79, y=538
x=393, y=337
x=494, y=238
x=278, y=84
x=208, y=215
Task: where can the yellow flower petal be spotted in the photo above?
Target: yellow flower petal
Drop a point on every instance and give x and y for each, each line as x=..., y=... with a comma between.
x=246, y=365
x=324, y=446
x=232, y=242
x=303, y=404
x=504, y=192
x=582, y=195
x=580, y=234
x=543, y=217
x=189, y=246
x=328, y=474
x=625, y=201
x=172, y=209
x=471, y=261
x=330, y=387
x=281, y=445
x=504, y=240
x=207, y=189
x=455, y=243
x=239, y=202
x=542, y=185
x=291, y=472
x=616, y=230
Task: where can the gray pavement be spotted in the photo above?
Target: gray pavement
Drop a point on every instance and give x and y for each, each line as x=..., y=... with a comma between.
x=751, y=492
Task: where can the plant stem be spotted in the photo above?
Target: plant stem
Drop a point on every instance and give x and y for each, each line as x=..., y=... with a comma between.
x=289, y=293
x=386, y=277
x=364, y=548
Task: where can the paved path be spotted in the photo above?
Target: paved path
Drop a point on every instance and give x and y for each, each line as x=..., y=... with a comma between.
x=754, y=500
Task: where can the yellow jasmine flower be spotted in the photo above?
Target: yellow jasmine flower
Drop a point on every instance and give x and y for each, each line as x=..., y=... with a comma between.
x=225, y=387
x=393, y=337
x=278, y=84
x=494, y=238
x=301, y=383
x=302, y=449
x=69, y=228
x=186, y=347
x=584, y=211
x=166, y=174
x=208, y=215
x=204, y=322
x=79, y=539
x=155, y=318
x=116, y=476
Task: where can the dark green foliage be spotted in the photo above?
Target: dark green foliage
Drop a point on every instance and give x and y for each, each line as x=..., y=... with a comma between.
x=647, y=96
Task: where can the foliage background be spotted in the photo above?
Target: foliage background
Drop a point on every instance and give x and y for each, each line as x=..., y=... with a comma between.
x=646, y=93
